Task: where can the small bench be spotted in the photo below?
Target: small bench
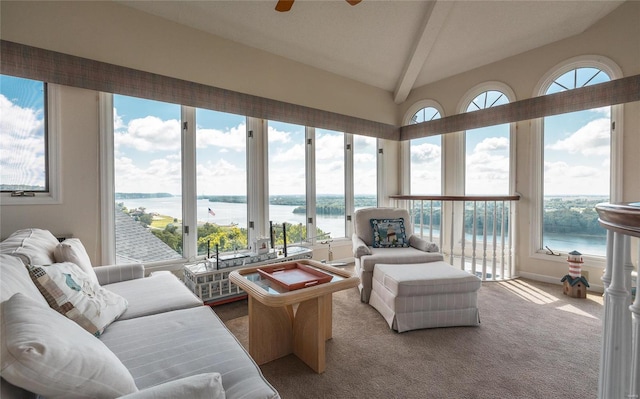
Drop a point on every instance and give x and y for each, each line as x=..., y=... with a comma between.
x=425, y=295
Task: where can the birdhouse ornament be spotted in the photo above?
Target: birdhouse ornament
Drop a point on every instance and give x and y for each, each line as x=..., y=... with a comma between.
x=574, y=284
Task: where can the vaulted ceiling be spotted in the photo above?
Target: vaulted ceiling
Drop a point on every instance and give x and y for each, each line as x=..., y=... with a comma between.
x=394, y=45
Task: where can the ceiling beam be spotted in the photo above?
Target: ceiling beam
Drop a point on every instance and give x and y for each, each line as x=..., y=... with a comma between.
x=619, y=91
x=434, y=19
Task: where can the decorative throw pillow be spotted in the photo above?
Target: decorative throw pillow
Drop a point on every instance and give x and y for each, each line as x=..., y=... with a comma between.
x=72, y=250
x=45, y=353
x=388, y=233
x=71, y=292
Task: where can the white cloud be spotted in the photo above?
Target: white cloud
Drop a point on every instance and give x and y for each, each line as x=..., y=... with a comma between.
x=605, y=111
x=287, y=155
x=160, y=175
x=488, y=167
x=23, y=146
x=329, y=146
x=221, y=177
x=492, y=144
x=591, y=139
x=278, y=136
x=563, y=178
x=233, y=139
x=149, y=134
x=425, y=153
x=364, y=158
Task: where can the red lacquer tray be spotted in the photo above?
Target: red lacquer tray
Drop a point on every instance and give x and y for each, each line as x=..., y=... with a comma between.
x=293, y=276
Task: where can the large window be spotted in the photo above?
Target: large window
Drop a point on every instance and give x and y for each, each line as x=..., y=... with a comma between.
x=181, y=187
x=365, y=186
x=426, y=157
x=487, y=151
x=221, y=170
x=147, y=180
x=330, y=195
x=28, y=160
x=577, y=169
x=287, y=180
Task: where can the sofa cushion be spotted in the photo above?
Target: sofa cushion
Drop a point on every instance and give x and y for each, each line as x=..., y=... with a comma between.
x=14, y=278
x=33, y=246
x=46, y=353
x=200, y=386
x=397, y=256
x=71, y=292
x=172, y=345
x=389, y=233
x=72, y=250
x=160, y=292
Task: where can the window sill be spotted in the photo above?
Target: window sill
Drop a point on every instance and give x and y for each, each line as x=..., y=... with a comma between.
x=38, y=199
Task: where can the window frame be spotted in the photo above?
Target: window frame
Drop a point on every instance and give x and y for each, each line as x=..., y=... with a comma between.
x=537, y=152
x=53, y=195
x=471, y=94
x=257, y=184
x=405, y=147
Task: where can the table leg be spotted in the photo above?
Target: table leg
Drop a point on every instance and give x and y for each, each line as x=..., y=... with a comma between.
x=311, y=328
x=270, y=331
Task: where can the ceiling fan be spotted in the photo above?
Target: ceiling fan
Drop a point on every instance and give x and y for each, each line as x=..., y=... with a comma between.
x=285, y=5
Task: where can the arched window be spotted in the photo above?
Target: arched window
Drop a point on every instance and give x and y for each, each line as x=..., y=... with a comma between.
x=426, y=153
x=576, y=168
x=487, y=149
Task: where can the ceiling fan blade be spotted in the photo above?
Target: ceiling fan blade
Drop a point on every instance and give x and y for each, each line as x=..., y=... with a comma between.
x=353, y=2
x=284, y=5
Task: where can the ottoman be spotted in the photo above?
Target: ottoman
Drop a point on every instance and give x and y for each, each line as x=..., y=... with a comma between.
x=425, y=295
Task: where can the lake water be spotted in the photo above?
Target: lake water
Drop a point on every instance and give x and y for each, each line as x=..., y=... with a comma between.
x=228, y=213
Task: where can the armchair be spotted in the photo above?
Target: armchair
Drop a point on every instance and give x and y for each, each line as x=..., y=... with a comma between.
x=388, y=246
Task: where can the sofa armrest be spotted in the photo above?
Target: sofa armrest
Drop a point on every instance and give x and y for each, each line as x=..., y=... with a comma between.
x=200, y=386
x=422, y=244
x=116, y=273
x=359, y=247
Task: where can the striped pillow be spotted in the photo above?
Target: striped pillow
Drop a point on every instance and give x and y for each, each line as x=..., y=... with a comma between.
x=73, y=293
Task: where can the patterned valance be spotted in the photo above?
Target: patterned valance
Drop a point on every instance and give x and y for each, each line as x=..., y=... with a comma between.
x=617, y=91
x=50, y=66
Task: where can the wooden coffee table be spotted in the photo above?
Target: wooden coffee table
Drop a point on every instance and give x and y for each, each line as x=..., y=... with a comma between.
x=278, y=328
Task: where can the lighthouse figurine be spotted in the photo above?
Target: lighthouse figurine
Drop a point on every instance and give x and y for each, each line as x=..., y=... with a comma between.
x=574, y=284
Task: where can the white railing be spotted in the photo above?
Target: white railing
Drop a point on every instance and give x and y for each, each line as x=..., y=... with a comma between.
x=620, y=353
x=476, y=233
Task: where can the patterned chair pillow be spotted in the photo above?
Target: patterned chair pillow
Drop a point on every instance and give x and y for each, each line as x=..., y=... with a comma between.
x=389, y=233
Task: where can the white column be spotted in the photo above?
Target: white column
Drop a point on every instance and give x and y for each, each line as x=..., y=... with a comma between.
x=634, y=377
x=614, y=373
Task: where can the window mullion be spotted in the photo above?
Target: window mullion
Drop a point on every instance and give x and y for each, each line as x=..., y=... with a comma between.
x=310, y=159
x=189, y=188
x=348, y=183
x=107, y=179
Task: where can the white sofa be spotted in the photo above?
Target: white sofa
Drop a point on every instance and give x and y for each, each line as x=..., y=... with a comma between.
x=162, y=343
x=410, y=249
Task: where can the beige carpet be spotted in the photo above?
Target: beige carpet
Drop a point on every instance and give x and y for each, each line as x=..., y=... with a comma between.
x=533, y=342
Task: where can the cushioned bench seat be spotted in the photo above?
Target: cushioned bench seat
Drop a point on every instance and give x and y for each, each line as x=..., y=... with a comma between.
x=425, y=295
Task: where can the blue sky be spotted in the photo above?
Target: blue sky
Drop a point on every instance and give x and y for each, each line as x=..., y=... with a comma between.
x=147, y=150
